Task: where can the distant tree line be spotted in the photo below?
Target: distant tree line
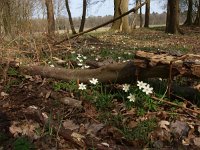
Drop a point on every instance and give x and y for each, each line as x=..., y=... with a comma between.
x=62, y=23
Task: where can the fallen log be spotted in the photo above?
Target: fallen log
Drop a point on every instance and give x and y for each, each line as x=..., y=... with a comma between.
x=145, y=65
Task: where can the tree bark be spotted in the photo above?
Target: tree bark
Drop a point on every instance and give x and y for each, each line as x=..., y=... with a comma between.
x=147, y=14
x=6, y=17
x=50, y=17
x=120, y=7
x=197, y=20
x=188, y=20
x=172, y=23
x=83, y=16
x=135, y=15
x=70, y=17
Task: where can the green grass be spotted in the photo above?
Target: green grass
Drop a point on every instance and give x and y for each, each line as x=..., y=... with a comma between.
x=67, y=86
x=141, y=131
x=3, y=137
x=22, y=143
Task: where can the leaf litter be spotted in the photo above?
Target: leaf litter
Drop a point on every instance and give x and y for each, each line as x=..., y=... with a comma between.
x=169, y=129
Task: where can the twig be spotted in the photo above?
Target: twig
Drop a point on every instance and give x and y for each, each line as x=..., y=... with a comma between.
x=174, y=104
x=188, y=102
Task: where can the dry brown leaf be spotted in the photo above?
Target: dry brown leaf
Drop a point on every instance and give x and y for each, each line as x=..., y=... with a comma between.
x=4, y=94
x=197, y=141
x=132, y=124
x=69, y=124
x=25, y=128
x=94, y=128
x=164, y=124
x=179, y=128
x=48, y=94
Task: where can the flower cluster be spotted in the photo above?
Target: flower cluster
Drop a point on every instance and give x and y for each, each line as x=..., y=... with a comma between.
x=141, y=85
x=82, y=86
x=145, y=87
x=125, y=87
x=80, y=59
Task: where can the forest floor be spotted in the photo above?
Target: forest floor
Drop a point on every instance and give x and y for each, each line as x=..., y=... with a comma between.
x=101, y=117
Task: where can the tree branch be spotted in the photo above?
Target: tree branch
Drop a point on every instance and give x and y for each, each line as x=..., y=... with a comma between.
x=102, y=25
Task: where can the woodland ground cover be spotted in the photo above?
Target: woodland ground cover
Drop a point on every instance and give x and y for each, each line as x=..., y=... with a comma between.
x=111, y=116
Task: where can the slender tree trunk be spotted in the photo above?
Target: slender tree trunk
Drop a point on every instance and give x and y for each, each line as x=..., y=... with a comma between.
x=141, y=19
x=172, y=22
x=147, y=14
x=6, y=17
x=188, y=20
x=50, y=17
x=83, y=16
x=120, y=7
x=197, y=20
x=135, y=15
x=117, y=23
x=70, y=17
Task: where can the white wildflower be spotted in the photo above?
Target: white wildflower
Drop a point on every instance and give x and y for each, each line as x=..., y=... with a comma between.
x=97, y=59
x=82, y=86
x=84, y=57
x=78, y=55
x=52, y=65
x=147, y=89
x=126, y=87
x=86, y=66
x=33, y=107
x=94, y=81
x=79, y=59
x=73, y=52
x=80, y=64
x=131, y=97
x=141, y=84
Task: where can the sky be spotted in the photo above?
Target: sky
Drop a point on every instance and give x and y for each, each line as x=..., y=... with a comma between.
x=106, y=8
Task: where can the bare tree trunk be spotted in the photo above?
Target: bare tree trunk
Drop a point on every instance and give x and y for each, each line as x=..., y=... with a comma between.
x=70, y=17
x=197, y=20
x=117, y=23
x=141, y=20
x=172, y=22
x=147, y=14
x=6, y=17
x=188, y=21
x=83, y=16
x=135, y=15
x=120, y=7
x=50, y=17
